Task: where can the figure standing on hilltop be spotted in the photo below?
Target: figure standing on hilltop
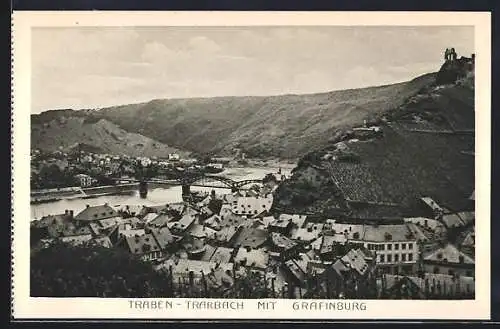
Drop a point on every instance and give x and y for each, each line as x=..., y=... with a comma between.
x=453, y=54
x=447, y=54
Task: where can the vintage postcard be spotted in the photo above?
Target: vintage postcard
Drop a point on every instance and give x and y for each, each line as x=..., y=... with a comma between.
x=251, y=165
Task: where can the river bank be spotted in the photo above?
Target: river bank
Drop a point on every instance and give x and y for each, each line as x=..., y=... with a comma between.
x=69, y=193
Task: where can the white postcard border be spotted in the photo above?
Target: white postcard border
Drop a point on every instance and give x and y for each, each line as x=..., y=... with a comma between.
x=97, y=308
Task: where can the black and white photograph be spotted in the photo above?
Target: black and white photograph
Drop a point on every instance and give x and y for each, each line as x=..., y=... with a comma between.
x=333, y=164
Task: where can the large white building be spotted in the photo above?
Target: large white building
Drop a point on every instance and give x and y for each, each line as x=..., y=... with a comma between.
x=395, y=245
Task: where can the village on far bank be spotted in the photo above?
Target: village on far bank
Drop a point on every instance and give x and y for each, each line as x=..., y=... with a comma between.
x=212, y=242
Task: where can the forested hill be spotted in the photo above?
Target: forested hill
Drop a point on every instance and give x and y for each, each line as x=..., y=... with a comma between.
x=286, y=126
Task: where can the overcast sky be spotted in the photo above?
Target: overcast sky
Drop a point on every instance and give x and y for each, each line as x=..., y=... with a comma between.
x=98, y=67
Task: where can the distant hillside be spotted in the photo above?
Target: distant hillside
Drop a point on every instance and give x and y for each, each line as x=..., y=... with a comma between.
x=284, y=126
x=71, y=129
x=424, y=147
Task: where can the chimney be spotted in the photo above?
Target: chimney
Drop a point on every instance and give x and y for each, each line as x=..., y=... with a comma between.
x=71, y=214
x=87, y=206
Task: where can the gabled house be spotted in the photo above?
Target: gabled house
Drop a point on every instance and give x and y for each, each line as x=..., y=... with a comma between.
x=449, y=260
x=253, y=259
x=249, y=237
x=285, y=247
x=96, y=213
x=281, y=225
x=144, y=246
x=428, y=286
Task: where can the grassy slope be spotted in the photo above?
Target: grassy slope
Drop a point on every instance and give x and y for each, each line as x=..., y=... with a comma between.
x=403, y=164
x=66, y=131
x=286, y=126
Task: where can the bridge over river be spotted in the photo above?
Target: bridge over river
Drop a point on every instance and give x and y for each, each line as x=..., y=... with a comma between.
x=188, y=180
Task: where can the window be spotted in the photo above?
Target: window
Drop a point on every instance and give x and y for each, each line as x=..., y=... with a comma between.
x=403, y=257
x=468, y=273
x=410, y=246
x=396, y=258
x=382, y=247
x=403, y=246
x=389, y=246
x=382, y=258
x=389, y=258
x=451, y=272
x=436, y=270
x=396, y=246
x=410, y=257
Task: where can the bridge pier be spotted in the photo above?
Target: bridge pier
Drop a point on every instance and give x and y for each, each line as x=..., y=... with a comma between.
x=186, y=190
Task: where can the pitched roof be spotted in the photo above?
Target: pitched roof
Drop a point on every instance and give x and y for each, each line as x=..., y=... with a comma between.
x=142, y=244
x=163, y=237
x=258, y=258
x=225, y=234
x=160, y=220
x=452, y=220
x=303, y=234
x=76, y=240
x=103, y=241
x=282, y=242
x=381, y=233
x=251, y=237
x=184, y=266
x=222, y=255
x=298, y=220
x=355, y=259
x=96, y=213
x=449, y=254
x=201, y=231
x=295, y=269
x=149, y=217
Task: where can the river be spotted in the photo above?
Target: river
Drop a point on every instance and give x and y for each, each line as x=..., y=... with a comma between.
x=156, y=196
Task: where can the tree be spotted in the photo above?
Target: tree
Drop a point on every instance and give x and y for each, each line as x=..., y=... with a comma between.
x=91, y=271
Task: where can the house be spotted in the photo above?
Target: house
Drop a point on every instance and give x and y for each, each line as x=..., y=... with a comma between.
x=52, y=226
x=173, y=157
x=253, y=259
x=428, y=223
x=96, y=213
x=218, y=254
x=183, y=224
x=224, y=236
x=165, y=239
x=194, y=247
x=182, y=268
x=395, y=245
x=84, y=180
x=251, y=205
x=281, y=225
x=144, y=246
x=449, y=260
x=286, y=247
x=149, y=217
x=295, y=274
x=468, y=242
x=161, y=220
x=452, y=220
x=428, y=286
x=76, y=240
x=249, y=237
x=351, y=276
x=297, y=220
x=200, y=231
x=108, y=223
x=123, y=231
x=102, y=241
